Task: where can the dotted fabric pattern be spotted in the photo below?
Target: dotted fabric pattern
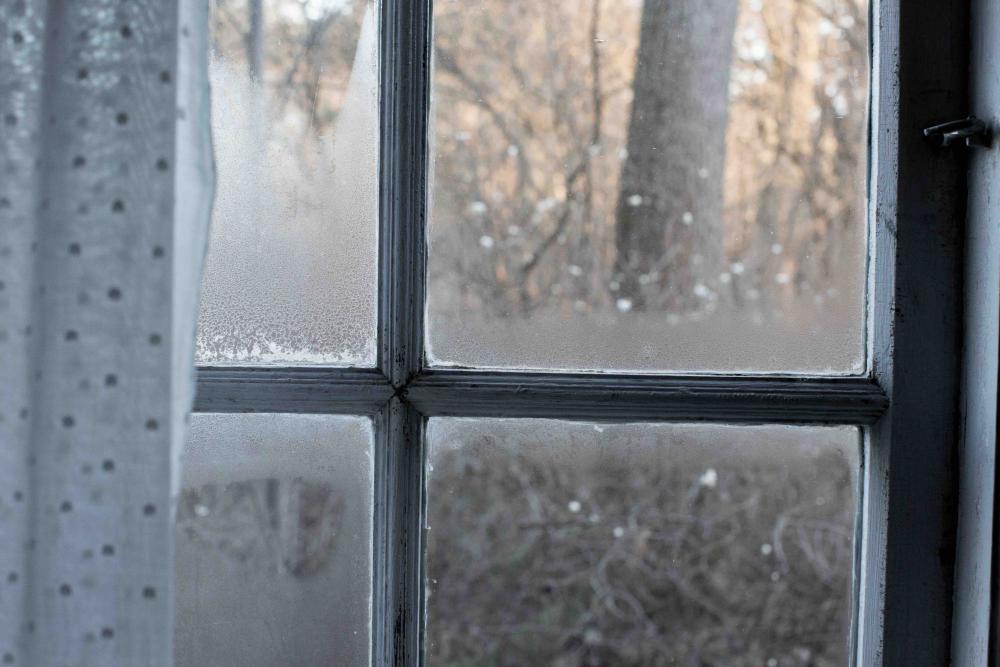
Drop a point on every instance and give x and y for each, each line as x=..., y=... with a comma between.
x=105, y=190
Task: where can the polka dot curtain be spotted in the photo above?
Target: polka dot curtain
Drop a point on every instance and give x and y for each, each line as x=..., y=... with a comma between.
x=106, y=181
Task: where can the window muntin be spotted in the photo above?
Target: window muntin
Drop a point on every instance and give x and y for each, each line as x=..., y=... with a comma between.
x=609, y=196
x=291, y=272
x=274, y=533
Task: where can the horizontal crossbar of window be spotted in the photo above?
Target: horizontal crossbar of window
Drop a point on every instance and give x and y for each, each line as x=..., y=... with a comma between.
x=299, y=389
x=621, y=397
x=577, y=396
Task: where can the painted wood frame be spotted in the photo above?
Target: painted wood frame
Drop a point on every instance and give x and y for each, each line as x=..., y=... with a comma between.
x=976, y=617
x=907, y=400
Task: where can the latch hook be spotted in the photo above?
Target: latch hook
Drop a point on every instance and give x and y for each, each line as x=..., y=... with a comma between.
x=973, y=131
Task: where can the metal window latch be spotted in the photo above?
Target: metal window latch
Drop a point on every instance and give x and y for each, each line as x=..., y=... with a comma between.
x=971, y=131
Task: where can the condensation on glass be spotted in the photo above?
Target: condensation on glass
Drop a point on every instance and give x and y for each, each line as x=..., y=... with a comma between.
x=563, y=543
x=291, y=269
x=668, y=185
x=274, y=533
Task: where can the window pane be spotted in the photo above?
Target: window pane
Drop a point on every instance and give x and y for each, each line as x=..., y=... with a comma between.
x=649, y=185
x=274, y=531
x=291, y=270
x=561, y=543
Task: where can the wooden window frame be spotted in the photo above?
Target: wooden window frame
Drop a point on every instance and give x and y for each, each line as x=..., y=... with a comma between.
x=906, y=401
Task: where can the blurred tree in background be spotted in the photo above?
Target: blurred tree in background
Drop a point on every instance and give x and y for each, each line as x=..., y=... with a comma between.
x=593, y=153
x=665, y=159
x=668, y=222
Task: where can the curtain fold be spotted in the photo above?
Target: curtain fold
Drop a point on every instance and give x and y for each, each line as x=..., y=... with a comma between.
x=106, y=180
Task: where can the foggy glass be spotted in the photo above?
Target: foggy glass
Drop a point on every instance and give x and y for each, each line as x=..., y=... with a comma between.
x=291, y=268
x=273, y=534
x=651, y=186
x=564, y=543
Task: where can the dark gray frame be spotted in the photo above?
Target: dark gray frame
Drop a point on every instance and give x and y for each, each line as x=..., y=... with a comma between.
x=907, y=401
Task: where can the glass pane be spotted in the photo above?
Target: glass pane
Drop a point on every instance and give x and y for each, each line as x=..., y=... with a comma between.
x=291, y=270
x=556, y=543
x=274, y=533
x=673, y=185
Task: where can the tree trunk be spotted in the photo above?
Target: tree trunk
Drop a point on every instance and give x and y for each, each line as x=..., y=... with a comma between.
x=669, y=213
x=255, y=40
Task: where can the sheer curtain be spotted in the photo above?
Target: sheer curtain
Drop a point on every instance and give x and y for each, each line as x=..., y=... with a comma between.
x=106, y=180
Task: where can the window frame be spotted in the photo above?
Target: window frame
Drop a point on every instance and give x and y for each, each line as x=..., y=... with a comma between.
x=906, y=402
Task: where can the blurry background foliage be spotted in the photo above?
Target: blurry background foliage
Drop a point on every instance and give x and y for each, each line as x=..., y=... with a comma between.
x=637, y=545
x=608, y=158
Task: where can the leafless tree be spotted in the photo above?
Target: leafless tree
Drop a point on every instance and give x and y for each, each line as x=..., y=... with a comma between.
x=669, y=225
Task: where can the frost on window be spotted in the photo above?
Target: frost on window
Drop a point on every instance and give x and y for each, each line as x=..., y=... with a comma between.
x=649, y=185
x=556, y=543
x=274, y=534
x=291, y=269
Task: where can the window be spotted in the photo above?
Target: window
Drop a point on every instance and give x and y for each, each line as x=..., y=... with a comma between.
x=638, y=544
x=274, y=540
x=480, y=286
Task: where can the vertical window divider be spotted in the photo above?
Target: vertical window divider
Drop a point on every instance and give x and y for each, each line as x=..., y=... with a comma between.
x=398, y=582
x=398, y=550
x=404, y=105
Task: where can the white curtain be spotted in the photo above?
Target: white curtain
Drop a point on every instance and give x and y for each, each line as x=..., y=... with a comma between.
x=106, y=180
